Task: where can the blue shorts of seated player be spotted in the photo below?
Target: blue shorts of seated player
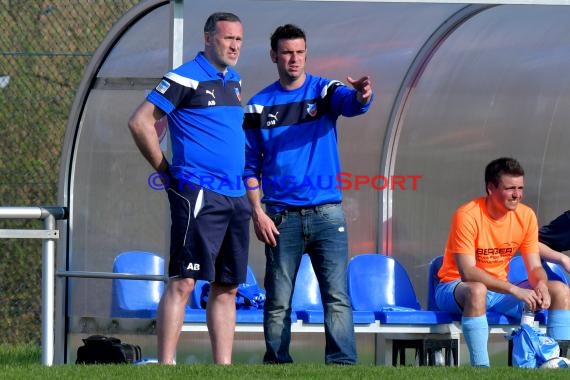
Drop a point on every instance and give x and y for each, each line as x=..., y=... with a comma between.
x=506, y=304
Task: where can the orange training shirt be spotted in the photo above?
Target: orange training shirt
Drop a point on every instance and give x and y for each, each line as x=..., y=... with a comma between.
x=492, y=242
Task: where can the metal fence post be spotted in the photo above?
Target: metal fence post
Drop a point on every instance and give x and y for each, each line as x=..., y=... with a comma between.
x=49, y=235
x=48, y=285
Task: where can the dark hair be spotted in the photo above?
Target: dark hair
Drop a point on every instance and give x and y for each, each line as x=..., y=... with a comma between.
x=501, y=166
x=286, y=32
x=210, y=25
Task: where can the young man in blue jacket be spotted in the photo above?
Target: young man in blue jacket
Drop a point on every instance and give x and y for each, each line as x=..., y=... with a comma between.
x=292, y=158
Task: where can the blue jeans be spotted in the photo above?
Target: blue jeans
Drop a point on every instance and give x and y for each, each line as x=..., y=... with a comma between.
x=319, y=231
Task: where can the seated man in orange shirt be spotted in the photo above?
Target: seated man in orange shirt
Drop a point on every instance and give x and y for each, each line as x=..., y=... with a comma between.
x=485, y=233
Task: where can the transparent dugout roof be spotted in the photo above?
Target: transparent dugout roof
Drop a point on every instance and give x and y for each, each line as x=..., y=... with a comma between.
x=494, y=82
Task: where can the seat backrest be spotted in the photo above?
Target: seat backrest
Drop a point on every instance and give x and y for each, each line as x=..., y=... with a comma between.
x=376, y=281
x=433, y=280
x=250, y=279
x=136, y=298
x=517, y=271
x=306, y=293
x=555, y=272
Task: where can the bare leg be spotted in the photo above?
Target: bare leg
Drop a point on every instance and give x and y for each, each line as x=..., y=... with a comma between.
x=560, y=295
x=472, y=296
x=171, y=316
x=221, y=317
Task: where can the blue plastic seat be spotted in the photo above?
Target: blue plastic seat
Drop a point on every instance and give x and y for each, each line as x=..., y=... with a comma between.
x=250, y=278
x=555, y=272
x=433, y=280
x=380, y=288
x=517, y=271
x=140, y=298
x=137, y=298
x=306, y=304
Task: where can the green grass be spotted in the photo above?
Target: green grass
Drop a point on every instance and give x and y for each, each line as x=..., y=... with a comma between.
x=23, y=362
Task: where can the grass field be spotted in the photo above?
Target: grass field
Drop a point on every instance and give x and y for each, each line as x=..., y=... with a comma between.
x=23, y=362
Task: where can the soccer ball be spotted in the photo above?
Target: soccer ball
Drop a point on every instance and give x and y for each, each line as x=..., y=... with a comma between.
x=560, y=362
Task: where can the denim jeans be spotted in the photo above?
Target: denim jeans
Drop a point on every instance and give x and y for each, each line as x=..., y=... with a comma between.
x=319, y=231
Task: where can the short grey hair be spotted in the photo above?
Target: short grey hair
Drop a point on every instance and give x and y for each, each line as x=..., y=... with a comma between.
x=210, y=25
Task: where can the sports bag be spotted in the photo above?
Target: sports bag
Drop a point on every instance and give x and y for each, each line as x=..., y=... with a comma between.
x=531, y=348
x=100, y=349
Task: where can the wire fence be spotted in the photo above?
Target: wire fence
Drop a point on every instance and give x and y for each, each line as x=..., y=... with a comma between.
x=44, y=48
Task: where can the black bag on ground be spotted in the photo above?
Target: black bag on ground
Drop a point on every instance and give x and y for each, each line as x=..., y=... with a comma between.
x=100, y=349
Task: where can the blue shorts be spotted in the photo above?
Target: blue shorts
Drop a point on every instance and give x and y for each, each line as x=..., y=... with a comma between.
x=209, y=235
x=502, y=303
